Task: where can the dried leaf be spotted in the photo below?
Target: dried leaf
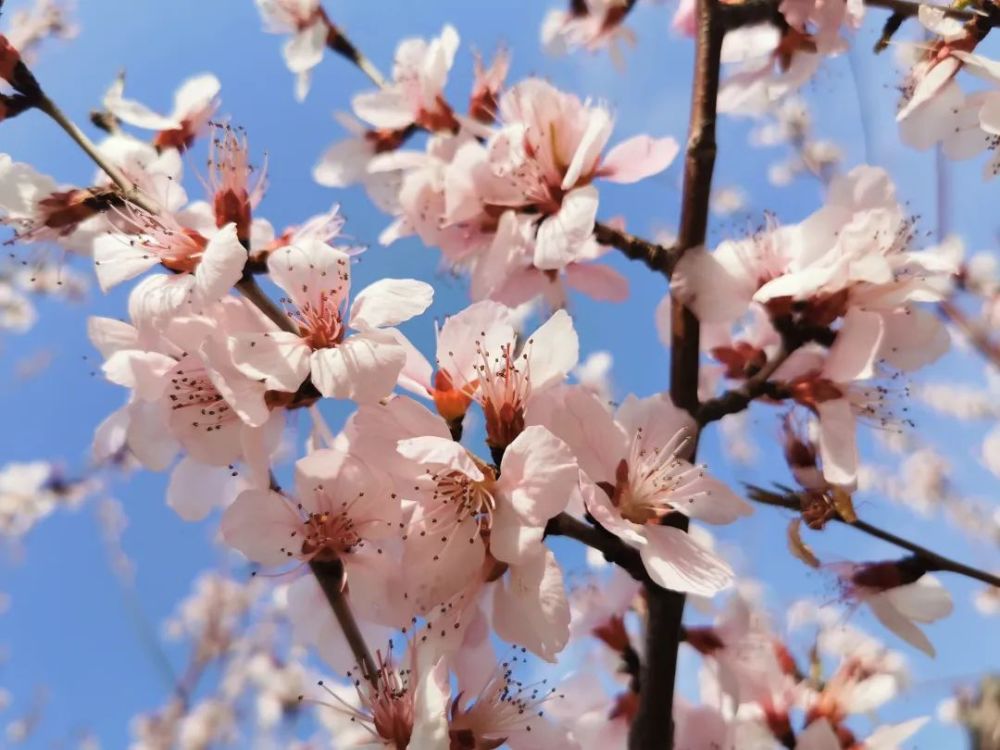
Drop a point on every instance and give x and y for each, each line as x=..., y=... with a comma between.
x=799, y=548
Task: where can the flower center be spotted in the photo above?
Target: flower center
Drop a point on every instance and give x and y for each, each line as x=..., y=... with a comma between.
x=327, y=536
x=651, y=480
x=321, y=325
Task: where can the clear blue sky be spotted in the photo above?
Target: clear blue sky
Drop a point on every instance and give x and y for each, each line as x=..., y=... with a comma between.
x=68, y=629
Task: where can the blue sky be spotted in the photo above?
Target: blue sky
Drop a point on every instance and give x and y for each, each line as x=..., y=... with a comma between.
x=68, y=628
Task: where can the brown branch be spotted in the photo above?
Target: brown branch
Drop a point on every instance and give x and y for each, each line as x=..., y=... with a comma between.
x=653, y=725
x=128, y=188
x=614, y=549
x=247, y=286
x=908, y=9
x=330, y=576
x=931, y=560
x=657, y=257
x=738, y=399
x=337, y=41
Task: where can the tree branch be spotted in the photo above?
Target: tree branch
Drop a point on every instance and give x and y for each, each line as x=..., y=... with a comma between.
x=331, y=579
x=931, y=560
x=653, y=725
x=657, y=257
x=337, y=41
x=738, y=399
x=248, y=287
x=614, y=549
x=129, y=190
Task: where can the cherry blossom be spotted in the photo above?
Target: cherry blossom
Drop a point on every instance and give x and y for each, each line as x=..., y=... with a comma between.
x=310, y=32
x=341, y=511
x=195, y=103
x=545, y=156
x=416, y=94
x=186, y=394
x=363, y=366
x=592, y=25
x=830, y=387
x=455, y=380
x=898, y=597
x=637, y=474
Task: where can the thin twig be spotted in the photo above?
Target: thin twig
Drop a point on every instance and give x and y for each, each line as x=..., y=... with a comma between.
x=339, y=43
x=331, y=579
x=615, y=551
x=738, y=399
x=909, y=9
x=128, y=188
x=248, y=287
x=657, y=257
x=932, y=560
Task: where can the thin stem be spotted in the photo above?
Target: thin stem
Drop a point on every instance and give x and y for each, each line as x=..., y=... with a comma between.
x=907, y=9
x=615, y=551
x=657, y=257
x=331, y=579
x=339, y=43
x=248, y=287
x=131, y=192
x=932, y=560
x=738, y=399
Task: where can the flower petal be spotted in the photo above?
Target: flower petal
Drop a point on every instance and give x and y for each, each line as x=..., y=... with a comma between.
x=530, y=607
x=117, y=260
x=263, y=526
x=389, y=302
x=637, y=158
x=221, y=265
x=364, y=367
x=561, y=235
x=552, y=351
x=837, y=441
x=438, y=451
x=196, y=489
x=677, y=562
x=278, y=358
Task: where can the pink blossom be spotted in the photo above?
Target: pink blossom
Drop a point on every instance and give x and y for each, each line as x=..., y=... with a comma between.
x=510, y=379
x=853, y=252
x=416, y=93
x=406, y=707
x=637, y=475
x=341, y=511
x=591, y=25
x=187, y=396
x=486, y=87
x=473, y=531
x=455, y=380
x=29, y=27
x=363, y=366
x=545, y=157
x=204, y=269
x=310, y=32
x=505, y=712
x=684, y=20
x=507, y=272
x=195, y=103
x=899, y=597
